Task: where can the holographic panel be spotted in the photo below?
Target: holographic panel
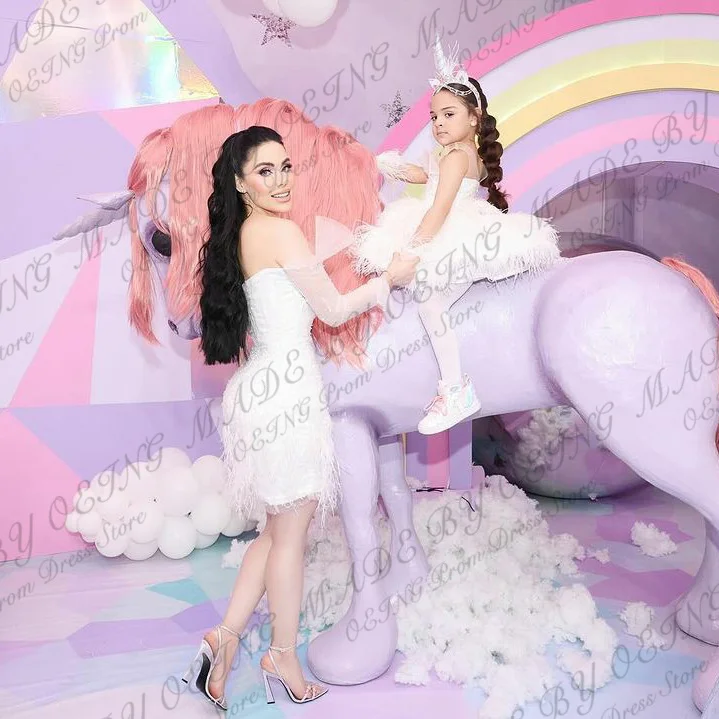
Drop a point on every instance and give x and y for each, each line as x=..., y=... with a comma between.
x=91, y=55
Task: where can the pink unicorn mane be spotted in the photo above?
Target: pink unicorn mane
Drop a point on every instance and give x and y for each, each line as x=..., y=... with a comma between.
x=325, y=158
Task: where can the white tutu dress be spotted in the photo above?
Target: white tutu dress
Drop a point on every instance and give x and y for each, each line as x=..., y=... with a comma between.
x=476, y=241
x=276, y=429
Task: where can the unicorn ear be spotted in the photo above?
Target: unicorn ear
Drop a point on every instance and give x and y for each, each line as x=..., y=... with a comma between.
x=331, y=237
x=111, y=206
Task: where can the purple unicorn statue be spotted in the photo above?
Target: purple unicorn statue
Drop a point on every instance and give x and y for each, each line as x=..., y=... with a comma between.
x=627, y=341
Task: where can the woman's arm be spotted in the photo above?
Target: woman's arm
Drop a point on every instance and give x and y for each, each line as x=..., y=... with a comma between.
x=309, y=276
x=392, y=165
x=452, y=169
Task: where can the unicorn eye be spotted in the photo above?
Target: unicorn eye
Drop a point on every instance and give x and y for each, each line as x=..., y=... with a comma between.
x=162, y=243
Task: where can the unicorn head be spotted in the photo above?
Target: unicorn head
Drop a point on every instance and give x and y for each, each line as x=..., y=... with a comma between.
x=165, y=205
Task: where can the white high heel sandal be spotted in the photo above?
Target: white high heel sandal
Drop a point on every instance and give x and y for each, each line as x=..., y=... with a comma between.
x=312, y=692
x=203, y=663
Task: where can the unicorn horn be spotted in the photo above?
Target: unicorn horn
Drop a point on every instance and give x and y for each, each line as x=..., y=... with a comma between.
x=110, y=206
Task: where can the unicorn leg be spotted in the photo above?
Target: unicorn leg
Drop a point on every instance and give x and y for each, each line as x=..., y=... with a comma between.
x=705, y=690
x=408, y=560
x=698, y=609
x=646, y=383
x=634, y=437
x=360, y=646
x=685, y=454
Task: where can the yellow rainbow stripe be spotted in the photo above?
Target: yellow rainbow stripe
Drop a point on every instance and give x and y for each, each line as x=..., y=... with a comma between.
x=656, y=65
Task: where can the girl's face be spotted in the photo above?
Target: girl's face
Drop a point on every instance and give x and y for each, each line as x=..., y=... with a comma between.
x=267, y=179
x=452, y=120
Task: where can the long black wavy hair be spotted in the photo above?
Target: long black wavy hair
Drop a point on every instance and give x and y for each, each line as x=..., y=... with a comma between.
x=225, y=319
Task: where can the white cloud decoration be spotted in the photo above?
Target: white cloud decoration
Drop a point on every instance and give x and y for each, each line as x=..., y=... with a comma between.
x=170, y=503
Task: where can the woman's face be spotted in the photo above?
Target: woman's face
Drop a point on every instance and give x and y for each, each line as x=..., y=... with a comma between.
x=268, y=179
x=451, y=119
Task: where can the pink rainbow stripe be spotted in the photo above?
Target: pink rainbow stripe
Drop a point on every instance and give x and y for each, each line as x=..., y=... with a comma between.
x=560, y=154
x=563, y=23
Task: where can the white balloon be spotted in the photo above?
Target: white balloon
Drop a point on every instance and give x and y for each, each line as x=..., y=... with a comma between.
x=145, y=520
x=308, y=13
x=89, y=524
x=203, y=541
x=113, y=507
x=170, y=458
x=273, y=6
x=113, y=538
x=71, y=522
x=210, y=473
x=227, y=495
x=146, y=486
x=179, y=491
x=104, y=484
x=139, y=551
x=131, y=478
x=177, y=538
x=235, y=526
x=210, y=514
x=84, y=501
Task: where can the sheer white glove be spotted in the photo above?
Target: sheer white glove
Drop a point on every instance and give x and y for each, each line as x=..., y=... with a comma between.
x=306, y=271
x=392, y=166
x=327, y=303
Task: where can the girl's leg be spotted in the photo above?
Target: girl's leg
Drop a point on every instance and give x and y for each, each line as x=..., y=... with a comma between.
x=246, y=594
x=284, y=579
x=434, y=313
x=456, y=399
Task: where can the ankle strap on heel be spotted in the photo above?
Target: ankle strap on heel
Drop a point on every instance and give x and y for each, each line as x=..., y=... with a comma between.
x=227, y=629
x=283, y=649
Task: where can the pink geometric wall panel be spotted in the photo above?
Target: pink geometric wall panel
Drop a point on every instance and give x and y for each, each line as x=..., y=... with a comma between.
x=61, y=370
x=135, y=123
x=32, y=515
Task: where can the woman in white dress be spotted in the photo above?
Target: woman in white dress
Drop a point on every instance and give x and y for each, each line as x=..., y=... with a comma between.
x=260, y=278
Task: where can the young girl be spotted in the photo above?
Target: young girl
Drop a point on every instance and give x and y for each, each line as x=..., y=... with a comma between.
x=460, y=229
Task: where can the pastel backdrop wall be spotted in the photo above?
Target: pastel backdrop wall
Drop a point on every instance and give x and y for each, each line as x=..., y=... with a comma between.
x=579, y=90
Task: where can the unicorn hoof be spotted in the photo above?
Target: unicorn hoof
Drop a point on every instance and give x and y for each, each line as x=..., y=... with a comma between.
x=357, y=649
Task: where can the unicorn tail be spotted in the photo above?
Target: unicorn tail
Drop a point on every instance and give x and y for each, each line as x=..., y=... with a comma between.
x=702, y=282
x=705, y=286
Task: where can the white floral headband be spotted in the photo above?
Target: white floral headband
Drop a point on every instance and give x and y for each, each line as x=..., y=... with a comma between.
x=450, y=71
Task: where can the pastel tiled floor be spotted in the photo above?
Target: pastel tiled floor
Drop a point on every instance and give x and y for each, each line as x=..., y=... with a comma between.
x=104, y=638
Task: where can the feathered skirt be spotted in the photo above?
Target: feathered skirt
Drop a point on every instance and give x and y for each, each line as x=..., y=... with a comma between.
x=277, y=434
x=476, y=242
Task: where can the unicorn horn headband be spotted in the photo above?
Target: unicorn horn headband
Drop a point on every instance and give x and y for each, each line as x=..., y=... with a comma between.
x=450, y=71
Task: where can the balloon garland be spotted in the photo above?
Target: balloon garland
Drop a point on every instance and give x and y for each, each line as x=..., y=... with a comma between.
x=173, y=504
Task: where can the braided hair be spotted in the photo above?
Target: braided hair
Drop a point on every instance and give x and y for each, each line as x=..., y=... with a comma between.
x=489, y=148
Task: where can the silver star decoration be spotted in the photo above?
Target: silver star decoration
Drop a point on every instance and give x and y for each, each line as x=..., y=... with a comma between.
x=275, y=27
x=395, y=110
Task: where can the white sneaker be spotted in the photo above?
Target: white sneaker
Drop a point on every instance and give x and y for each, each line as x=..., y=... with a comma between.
x=451, y=405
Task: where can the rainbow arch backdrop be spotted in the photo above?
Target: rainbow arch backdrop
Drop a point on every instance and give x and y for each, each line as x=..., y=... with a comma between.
x=598, y=87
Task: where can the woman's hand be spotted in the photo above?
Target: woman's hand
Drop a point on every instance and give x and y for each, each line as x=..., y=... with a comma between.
x=401, y=269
